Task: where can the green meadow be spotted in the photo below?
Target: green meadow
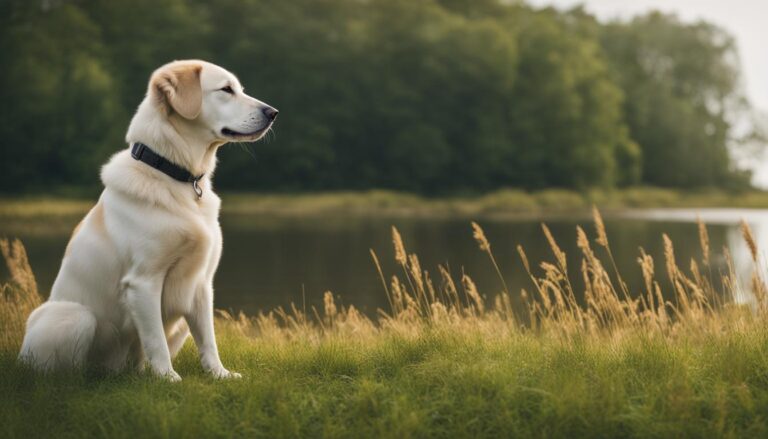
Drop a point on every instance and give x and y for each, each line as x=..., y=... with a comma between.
x=678, y=359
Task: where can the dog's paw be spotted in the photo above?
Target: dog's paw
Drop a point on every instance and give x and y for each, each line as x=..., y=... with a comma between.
x=170, y=376
x=224, y=374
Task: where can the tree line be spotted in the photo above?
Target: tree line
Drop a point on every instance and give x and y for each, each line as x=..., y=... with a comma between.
x=432, y=96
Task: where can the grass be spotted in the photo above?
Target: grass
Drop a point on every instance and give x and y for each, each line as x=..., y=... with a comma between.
x=569, y=358
x=505, y=202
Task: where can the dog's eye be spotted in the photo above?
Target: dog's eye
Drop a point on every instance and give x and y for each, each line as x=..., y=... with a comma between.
x=228, y=89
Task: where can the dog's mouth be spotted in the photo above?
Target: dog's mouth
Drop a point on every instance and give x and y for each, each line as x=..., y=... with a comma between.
x=254, y=135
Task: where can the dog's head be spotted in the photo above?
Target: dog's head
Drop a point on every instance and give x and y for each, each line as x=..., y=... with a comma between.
x=204, y=96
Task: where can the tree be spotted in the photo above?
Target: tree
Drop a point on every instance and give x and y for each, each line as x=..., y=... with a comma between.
x=681, y=82
x=432, y=96
x=59, y=107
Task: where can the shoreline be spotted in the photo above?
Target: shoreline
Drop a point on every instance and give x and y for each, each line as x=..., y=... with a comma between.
x=505, y=203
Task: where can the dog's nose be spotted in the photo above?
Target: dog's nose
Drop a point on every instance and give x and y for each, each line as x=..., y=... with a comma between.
x=271, y=113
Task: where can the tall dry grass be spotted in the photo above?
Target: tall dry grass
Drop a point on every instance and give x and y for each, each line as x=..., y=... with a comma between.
x=18, y=297
x=598, y=302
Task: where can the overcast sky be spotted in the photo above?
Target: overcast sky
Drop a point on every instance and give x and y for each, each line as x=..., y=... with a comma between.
x=747, y=20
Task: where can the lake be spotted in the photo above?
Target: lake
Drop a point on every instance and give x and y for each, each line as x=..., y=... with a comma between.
x=273, y=261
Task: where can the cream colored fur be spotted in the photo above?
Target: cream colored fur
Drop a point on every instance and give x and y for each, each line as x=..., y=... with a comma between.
x=137, y=276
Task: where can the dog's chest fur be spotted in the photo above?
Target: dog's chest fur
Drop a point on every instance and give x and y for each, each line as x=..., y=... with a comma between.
x=198, y=250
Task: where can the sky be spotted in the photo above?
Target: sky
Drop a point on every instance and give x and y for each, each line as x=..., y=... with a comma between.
x=746, y=20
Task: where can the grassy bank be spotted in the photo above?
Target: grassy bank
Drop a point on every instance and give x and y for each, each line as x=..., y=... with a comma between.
x=443, y=361
x=387, y=203
x=441, y=382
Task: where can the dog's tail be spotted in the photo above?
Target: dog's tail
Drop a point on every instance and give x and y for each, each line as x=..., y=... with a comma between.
x=59, y=336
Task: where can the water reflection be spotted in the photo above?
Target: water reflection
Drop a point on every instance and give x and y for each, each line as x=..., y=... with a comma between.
x=269, y=262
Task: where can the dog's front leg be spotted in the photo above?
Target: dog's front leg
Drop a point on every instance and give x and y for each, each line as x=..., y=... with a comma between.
x=144, y=300
x=200, y=321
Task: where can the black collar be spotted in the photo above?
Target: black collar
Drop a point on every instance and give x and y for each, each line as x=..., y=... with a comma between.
x=143, y=153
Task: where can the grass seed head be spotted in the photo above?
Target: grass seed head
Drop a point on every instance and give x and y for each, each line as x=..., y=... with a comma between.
x=669, y=257
x=400, y=254
x=479, y=236
x=602, y=237
x=749, y=239
x=524, y=258
x=472, y=293
x=559, y=254
x=703, y=240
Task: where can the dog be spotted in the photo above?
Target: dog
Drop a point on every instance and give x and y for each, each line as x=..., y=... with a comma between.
x=137, y=275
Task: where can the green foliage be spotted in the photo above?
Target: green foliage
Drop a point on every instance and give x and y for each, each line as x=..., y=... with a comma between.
x=60, y=112
x=428, y=96
x=681, y=85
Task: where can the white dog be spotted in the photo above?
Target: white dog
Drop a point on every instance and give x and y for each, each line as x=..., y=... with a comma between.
x=137, y=275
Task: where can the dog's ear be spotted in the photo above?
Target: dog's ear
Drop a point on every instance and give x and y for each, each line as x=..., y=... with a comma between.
x=178, y=88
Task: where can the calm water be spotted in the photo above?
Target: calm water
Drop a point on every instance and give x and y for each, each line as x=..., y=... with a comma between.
x=270, y=262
